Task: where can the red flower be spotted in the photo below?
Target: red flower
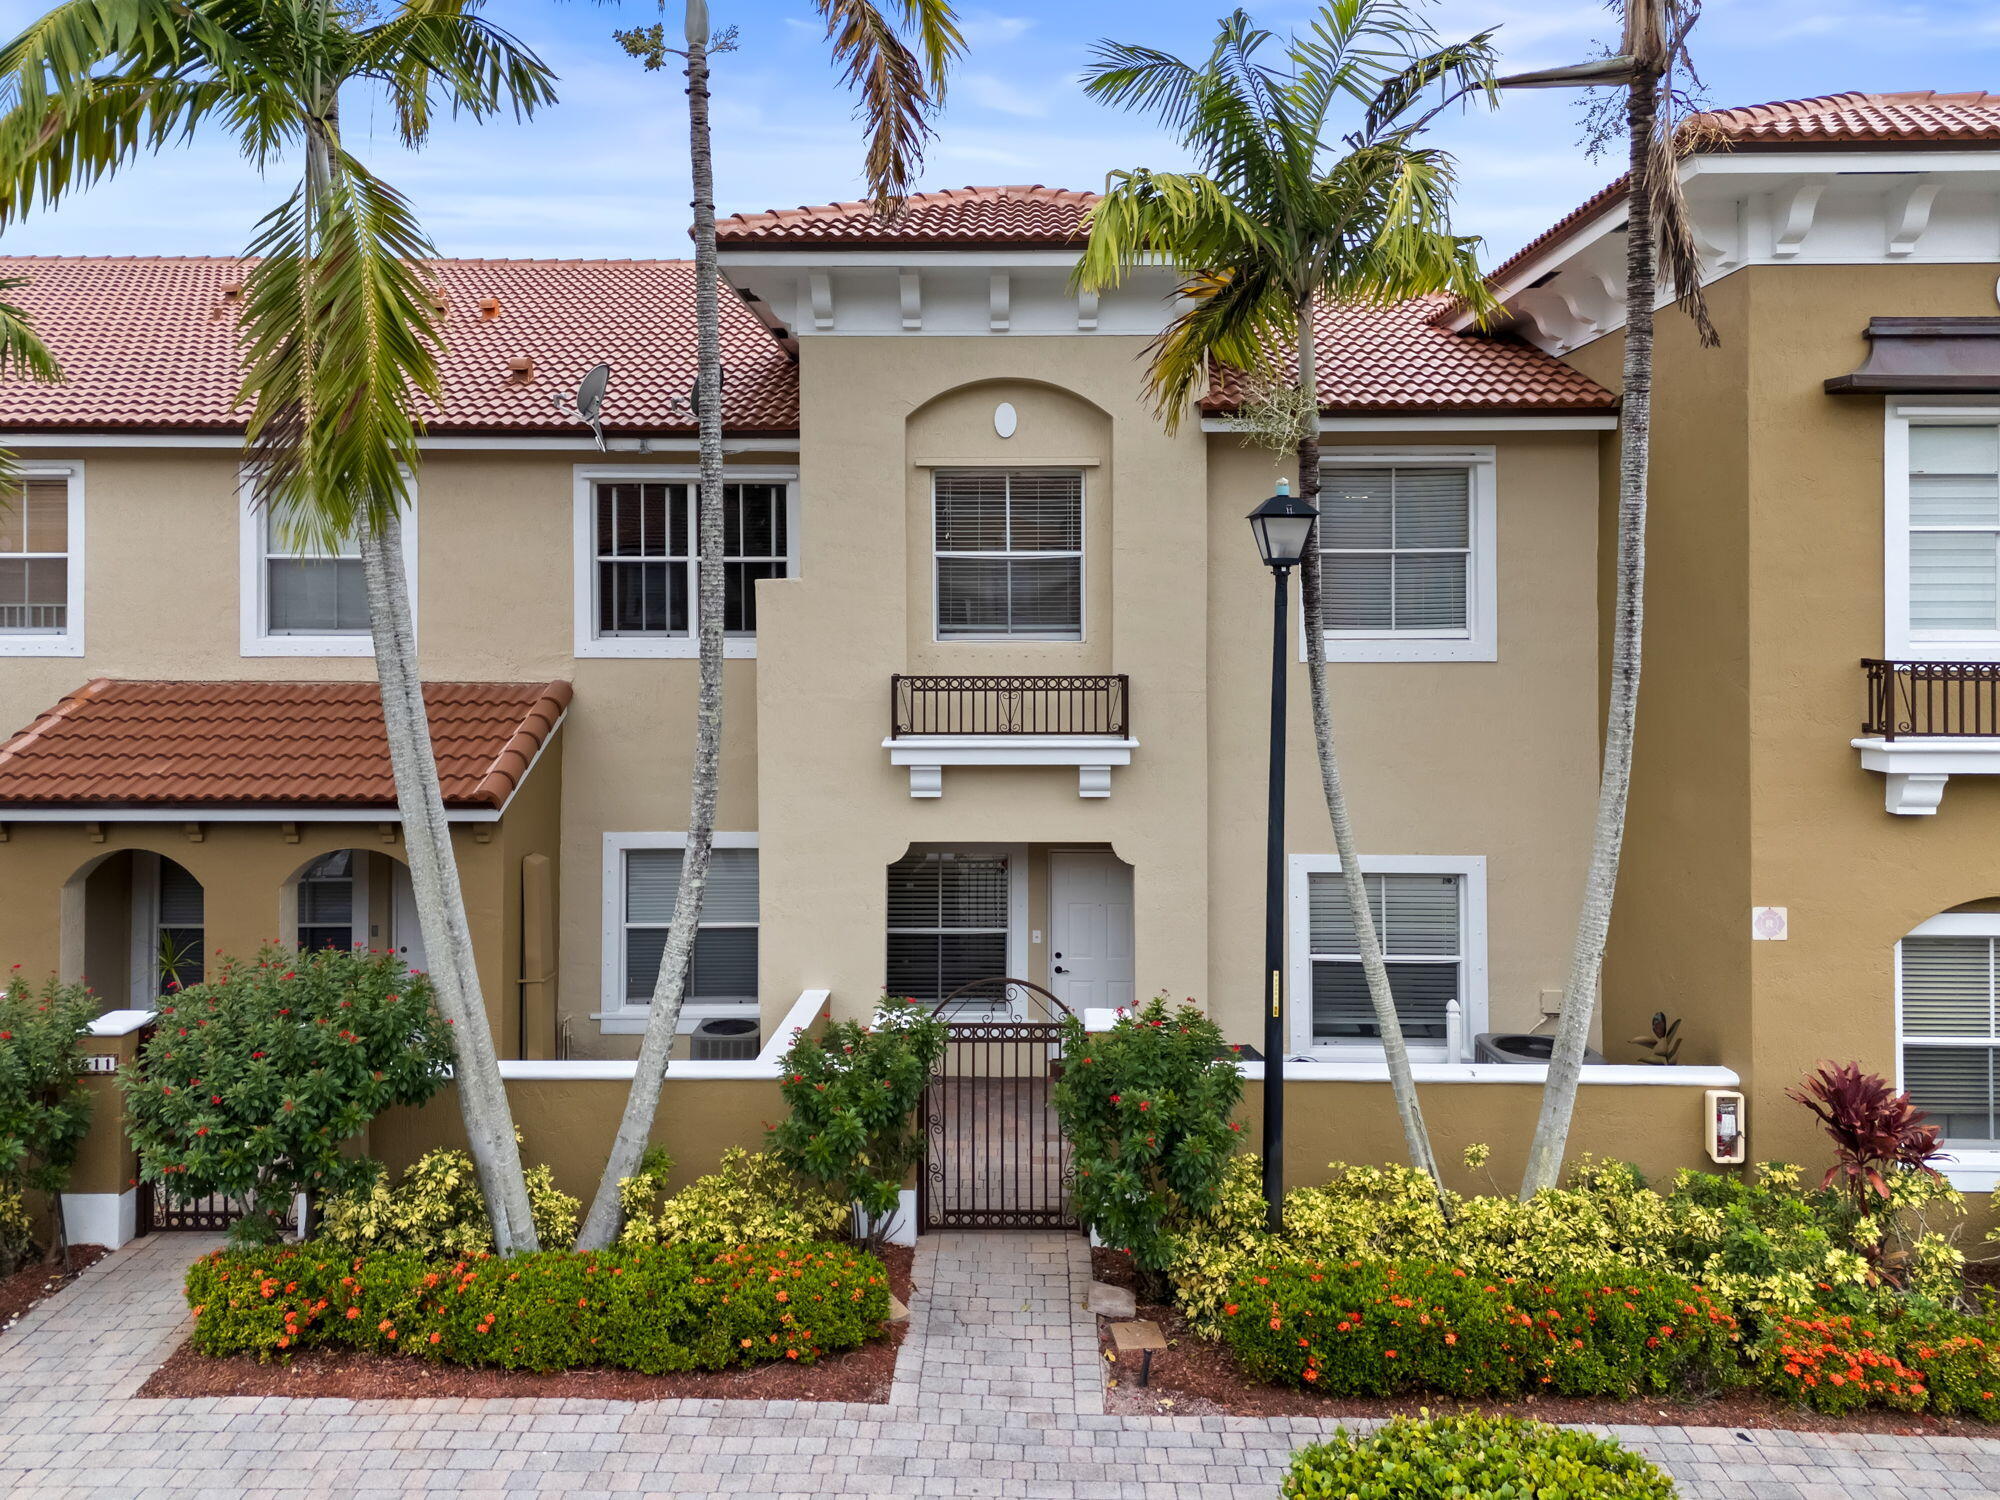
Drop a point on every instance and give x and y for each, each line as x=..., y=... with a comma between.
x=1114, y=1098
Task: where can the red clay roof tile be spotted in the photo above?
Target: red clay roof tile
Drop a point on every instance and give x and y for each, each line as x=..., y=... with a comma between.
x=149, y=342
x=1017, y=216
x=114, y=744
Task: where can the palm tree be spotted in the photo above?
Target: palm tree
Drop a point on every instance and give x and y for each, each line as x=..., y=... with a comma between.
x=1658, y=229
x=1276, y=226
x=337, y=333
x=900, y=88
x=23, y=353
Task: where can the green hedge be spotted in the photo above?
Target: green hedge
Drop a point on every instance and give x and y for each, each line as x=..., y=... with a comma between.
x=1380, y=1328
x=1450, y=1458
x=648, y=1308
x=1939, y=1362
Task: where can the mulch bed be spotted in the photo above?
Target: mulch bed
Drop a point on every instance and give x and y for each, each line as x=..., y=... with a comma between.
x=1194, y=1376
x=30, y=1284
x=862, y=1374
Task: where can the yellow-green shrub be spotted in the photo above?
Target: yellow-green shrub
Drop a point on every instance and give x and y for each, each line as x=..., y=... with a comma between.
x=438, y=1212
x=750, y=1199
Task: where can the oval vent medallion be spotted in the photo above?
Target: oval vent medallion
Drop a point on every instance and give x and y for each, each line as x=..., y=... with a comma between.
x=1005, y=420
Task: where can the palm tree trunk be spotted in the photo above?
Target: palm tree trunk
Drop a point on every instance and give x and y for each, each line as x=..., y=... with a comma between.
x=1545, y=1155
x=635, y=1128
x=1402, y=1082
x=482, y=1096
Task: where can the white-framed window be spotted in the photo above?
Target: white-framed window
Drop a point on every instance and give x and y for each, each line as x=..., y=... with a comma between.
x=642, y=873
x=1941, y=536
x=333, y=901
x=168, y=928
x=41, y=562
x=1408, y=554
x=1948, y=1029
x=955, y=916
x=1007, y=555
x=305, y=601
x=1430, y=918
x=638, y=576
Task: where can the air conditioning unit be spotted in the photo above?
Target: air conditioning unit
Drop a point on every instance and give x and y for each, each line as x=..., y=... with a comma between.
x=725, y=1039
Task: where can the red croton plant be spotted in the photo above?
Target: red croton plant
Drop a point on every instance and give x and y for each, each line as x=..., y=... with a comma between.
x=1875, y=1130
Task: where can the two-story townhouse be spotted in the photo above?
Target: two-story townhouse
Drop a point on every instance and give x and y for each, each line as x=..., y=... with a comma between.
x=999, y=646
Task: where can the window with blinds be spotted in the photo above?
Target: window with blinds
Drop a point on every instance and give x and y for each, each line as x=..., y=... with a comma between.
x=1950, y=993
x=34, y=558
x=947, y=924
x=1009, y=553
x=646, y=568
x=723, y=968
x=1396, y=550
x=1955, y=531
x=311, y=592
x=326, y=902
x=178, y=924
x=1420, y=924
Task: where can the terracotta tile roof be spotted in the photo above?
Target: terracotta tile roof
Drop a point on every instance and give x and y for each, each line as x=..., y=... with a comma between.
x=1389, y=359
x=1021, y=217
x=150, y=342
x=1920, y=119
x=115, y=744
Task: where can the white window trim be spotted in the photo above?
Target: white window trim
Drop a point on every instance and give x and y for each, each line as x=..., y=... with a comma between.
x=1972, y=1169
x=1480, y=641
x=361, y=921
x=70, y=641
x=252, y=579
x=1082, y=636
x=617, y=1017
x=1471, y=871
x=583, y=556
x=1899, y=642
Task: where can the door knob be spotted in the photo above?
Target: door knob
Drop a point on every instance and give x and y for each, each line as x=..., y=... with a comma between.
x=1060, y=969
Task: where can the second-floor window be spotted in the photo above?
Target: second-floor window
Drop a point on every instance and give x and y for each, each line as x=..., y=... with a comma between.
x=1954, y=533
x=645, y=574
x=299, y=598
x=40, y=566
x=1009, y=554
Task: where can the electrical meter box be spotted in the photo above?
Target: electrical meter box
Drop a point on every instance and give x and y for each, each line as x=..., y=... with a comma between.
x=1724, y=1126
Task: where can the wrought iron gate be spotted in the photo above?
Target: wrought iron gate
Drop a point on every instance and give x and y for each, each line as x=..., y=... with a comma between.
x=995, y=1157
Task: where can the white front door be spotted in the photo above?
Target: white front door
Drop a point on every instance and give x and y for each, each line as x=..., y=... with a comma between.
x=405, y=935
x=1090, y=928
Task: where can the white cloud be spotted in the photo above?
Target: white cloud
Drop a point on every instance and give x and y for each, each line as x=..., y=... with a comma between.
x=1000, y=95
x=983, y=29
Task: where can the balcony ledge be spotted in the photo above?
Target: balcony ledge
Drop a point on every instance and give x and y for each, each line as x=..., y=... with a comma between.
x=926, y=756
x=1917, y=769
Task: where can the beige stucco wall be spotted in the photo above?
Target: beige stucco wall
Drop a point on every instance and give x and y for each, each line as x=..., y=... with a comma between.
x=1475, y=758
x=1765, y=592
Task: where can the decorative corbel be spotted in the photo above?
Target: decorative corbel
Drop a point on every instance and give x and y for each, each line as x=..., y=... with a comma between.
x=1792, y=211
x=193, y=832
x=910, y=290
x=819, y=285
x=387, y=832
x=999, y=292
x=1910, y=214
x=1086, y=311
x=94, y=832
x=289, y=832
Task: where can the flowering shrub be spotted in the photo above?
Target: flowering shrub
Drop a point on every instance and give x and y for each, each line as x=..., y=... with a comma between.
x=1942, y=1363
x=749, y=1199
x=853, y=1093
x=437, y=1211
x=44, y=1107
x=1466, y=1456
x=1370, y=1328
x=255, y=1079
x=648, y=1308
x=1146, y=1108
x=1761, y=1248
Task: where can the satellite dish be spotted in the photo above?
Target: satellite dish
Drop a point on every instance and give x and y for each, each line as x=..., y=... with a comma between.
x=588, y=406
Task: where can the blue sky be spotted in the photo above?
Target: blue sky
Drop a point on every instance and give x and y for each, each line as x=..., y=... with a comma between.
x=604, y=172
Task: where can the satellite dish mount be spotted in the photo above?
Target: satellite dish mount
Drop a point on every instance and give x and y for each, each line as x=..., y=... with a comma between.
x=588, y=405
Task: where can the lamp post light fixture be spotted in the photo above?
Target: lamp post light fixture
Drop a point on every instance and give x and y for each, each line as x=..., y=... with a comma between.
x=1282, y=525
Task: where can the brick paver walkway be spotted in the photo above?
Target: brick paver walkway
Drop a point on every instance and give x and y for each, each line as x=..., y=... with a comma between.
x=999, y=1392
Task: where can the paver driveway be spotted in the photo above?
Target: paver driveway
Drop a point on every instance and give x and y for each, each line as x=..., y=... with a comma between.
x=998, y=1392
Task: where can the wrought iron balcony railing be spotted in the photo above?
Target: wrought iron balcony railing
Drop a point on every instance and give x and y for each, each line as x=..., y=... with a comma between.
x=1010, y=706
x=1913, y=699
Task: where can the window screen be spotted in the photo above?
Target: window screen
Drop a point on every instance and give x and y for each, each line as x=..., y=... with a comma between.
x=1951, y=1033
x=1955, y=530
x=1419, y=923
x=1009, y=553
x=1396, y=550
x=34, y=558
x=308, y=592
x=724, y=965
x=947, y=924
x=646, y=538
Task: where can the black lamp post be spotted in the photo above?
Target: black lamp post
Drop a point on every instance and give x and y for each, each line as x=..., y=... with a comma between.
x=1282, y=525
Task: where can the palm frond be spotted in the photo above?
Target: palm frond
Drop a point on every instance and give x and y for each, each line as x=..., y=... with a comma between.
x=22, y=351
x=440, y=47
x=1455, y=71
x=896, y=101
x=336, y=341
x=1673, y=231
x=1236, y=317
x=939, y=40
x=70, y=142
x=1180, y=218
